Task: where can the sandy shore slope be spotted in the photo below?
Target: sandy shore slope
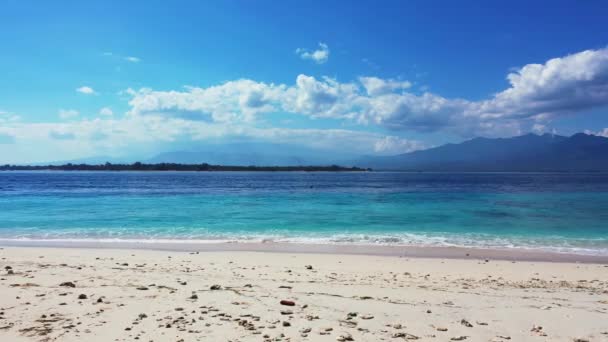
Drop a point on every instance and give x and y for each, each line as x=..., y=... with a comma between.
x=67, y=294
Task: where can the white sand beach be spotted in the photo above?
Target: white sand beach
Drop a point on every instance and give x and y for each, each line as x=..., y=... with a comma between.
x=76, y=294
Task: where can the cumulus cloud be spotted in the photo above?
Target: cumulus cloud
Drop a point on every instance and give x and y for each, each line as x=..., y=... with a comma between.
x=237, y=100
x=560, y=86
x=600, y=133
x=85, y=90
x=68, y=113
x=377, y=86
x=537, y=94
x=106, y=111
x=319, y=56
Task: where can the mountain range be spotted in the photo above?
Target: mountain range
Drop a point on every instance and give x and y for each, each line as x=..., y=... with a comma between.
x=526, y=153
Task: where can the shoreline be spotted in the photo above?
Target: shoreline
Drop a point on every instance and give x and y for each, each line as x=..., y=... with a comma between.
x=420, y=252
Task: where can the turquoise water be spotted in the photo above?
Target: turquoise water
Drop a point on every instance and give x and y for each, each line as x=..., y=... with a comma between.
x=562, y=212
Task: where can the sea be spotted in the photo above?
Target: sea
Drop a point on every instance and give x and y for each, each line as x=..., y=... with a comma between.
x=560, y=212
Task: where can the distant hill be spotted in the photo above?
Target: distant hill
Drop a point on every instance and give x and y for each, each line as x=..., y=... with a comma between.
x=252, y=154
x=530, y=152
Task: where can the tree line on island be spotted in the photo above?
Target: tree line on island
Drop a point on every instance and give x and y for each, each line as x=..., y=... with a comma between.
x=138, y=166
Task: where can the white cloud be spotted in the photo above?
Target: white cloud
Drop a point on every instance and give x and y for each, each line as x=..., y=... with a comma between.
x=85, y=90
x=68, y=113
x=108, y=136
x=539, y=128
x=132, y=59
x=601, y=133
x=538, y=93
x=6, y=117
x=376, y=86
x=238, y=100
x=395, y=145
x=106, y=111
x=559, y=86
x=319, y=56
x=117, y=56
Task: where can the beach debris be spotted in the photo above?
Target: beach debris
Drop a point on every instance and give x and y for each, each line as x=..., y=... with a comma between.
x=8, y=326
x=351, y=315
x=580, y=340
x=82, y=296
x=308, y=267
x=286, y=312
x=215, y=287
x=288, y=302
x=366, y=317
x=466, y=323
x=286, y=324
x=405, y=335
x=481, y=323
x=345, y=337
x=537, y=329
x=458, y=338
x=194, y=296
x=67, y=284
x=348, y=323
x=142, y=288
x=247, y=325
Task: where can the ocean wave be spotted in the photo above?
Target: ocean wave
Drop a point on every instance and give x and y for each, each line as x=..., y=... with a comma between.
x=556, y=244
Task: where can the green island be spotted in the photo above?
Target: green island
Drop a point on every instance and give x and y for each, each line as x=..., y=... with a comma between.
x=137, y=166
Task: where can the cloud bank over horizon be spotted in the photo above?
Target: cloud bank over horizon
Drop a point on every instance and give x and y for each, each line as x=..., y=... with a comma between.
x=374, y=115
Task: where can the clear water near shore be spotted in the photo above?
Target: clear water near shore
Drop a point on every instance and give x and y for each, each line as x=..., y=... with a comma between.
x=560, y=212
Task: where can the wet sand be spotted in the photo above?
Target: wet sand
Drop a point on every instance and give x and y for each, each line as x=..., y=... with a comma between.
x=513, y=254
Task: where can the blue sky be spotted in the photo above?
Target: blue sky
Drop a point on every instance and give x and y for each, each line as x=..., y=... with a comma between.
x=133, y=79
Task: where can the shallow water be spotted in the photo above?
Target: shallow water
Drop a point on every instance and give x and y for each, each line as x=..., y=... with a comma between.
x=561, y=212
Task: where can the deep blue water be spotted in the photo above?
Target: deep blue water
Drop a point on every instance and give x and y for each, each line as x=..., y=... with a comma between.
x=567, y=212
